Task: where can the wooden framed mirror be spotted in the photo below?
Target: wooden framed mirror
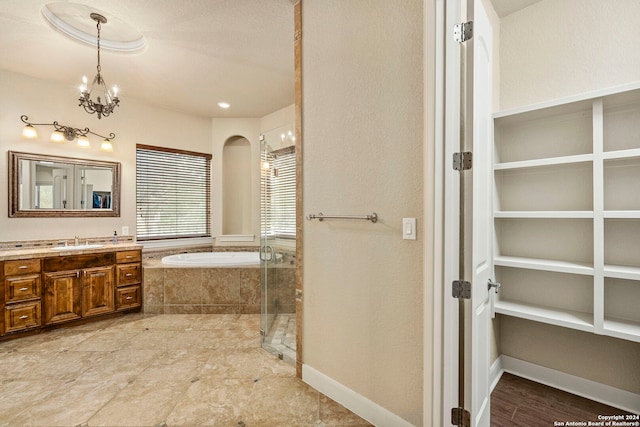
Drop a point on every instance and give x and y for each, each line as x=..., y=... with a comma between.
x=52, y=186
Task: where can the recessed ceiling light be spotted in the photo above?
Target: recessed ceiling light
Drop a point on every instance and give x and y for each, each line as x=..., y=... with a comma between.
x=224, y=105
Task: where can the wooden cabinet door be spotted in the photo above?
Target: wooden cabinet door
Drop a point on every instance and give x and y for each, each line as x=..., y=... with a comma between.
x=98, y=291
x=62, y=296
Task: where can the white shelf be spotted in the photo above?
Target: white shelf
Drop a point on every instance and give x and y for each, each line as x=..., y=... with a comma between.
x=577, y=160
x=558, y=317
x=564, y=160
x=621, y=154
x=614, y=95
x=622, y=214
x=544, y=265
x=622, y=272
x=543, y=214
x=621, y=328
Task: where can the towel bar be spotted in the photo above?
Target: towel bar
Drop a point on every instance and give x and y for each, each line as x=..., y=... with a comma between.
x=320, y=216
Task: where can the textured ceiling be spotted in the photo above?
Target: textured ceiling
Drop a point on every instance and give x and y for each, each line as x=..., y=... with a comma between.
x=198, y=52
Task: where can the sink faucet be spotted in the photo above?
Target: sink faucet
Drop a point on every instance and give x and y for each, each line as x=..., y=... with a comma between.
x=75, y=241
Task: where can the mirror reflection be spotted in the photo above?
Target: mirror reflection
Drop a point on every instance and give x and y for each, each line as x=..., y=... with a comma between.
x=56, y=186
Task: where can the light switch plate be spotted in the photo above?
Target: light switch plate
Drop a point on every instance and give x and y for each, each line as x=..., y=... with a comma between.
x=125, y=230
x=409, y=229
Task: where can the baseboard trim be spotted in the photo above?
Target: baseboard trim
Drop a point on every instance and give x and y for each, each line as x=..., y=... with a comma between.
x=356, y=403
x=598, y=392
x=495, y=373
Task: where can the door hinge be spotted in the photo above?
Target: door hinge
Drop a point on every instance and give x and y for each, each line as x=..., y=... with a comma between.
x=463, y=32
x=461, y=289
x=462, y=161
x=460, y=417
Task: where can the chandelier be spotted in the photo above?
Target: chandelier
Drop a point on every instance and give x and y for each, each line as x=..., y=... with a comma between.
x=111, y=101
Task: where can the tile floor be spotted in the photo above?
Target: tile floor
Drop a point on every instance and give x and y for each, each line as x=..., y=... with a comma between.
x=157, y=370
x=281, y=338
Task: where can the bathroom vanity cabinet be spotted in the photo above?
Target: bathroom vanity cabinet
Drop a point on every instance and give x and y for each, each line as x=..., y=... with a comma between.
x=567, y=213
x=22, y=295
x=78, y=286
x=129, y=280
x=44, y=291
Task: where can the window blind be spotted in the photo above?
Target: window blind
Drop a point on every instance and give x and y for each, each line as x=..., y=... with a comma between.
x=173, y=193
x=279, y=193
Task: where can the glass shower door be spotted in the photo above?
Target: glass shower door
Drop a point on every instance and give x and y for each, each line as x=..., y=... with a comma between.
x=268, y=300
x=277, y=246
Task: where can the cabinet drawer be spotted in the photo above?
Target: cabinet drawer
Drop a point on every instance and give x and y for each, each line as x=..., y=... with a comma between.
x=21, y=266
x=20, y=288
x=129, y=274
x=128, y=256
x=128, y=297
x=18, y=317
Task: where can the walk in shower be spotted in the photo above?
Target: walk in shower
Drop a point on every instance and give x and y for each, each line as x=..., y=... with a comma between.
x=277, y=244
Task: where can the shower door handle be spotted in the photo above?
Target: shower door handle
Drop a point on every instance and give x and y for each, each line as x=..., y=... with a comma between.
x=263, y=253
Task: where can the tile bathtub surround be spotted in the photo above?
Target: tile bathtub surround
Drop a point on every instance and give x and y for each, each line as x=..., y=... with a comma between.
x=226, y=290
x=154, y=370
x=220, y=290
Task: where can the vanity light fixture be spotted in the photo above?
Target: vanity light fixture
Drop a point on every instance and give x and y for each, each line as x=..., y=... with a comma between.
x=63, y=134
x=111, y=100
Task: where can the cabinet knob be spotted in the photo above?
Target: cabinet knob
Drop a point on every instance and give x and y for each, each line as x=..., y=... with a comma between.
x=128, y=298
x=128, y=274
x=24, y=289
x=22, y=267
x=129, y=256
x=24, y=317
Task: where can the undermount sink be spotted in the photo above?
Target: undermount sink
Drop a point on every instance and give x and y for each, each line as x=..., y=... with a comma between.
x=76, y=248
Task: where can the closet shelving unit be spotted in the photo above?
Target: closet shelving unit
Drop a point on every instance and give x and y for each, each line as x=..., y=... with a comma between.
x=567, y=212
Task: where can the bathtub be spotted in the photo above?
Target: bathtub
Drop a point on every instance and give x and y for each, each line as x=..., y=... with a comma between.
x=212, y=259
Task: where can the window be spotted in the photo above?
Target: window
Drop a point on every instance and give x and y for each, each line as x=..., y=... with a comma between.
x=279, y=193
x=173, y=193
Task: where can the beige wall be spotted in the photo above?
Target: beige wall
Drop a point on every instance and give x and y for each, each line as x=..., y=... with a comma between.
x=133, y=123
x=553, y=49
x=598, y=358
x=557, y=48
x=363, y=137
x=224, y=130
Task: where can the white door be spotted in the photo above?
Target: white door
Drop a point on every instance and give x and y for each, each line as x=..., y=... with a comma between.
x=477, y=235
x=481, y=213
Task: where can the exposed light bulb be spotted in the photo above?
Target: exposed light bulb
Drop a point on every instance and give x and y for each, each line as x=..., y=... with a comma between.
x=224, y=105
x=115, y=91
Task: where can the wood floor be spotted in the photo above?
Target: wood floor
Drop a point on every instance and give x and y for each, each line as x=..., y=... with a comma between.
x=517, y=402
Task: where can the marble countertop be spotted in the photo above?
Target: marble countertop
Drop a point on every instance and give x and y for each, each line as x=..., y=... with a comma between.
x=47, y=252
